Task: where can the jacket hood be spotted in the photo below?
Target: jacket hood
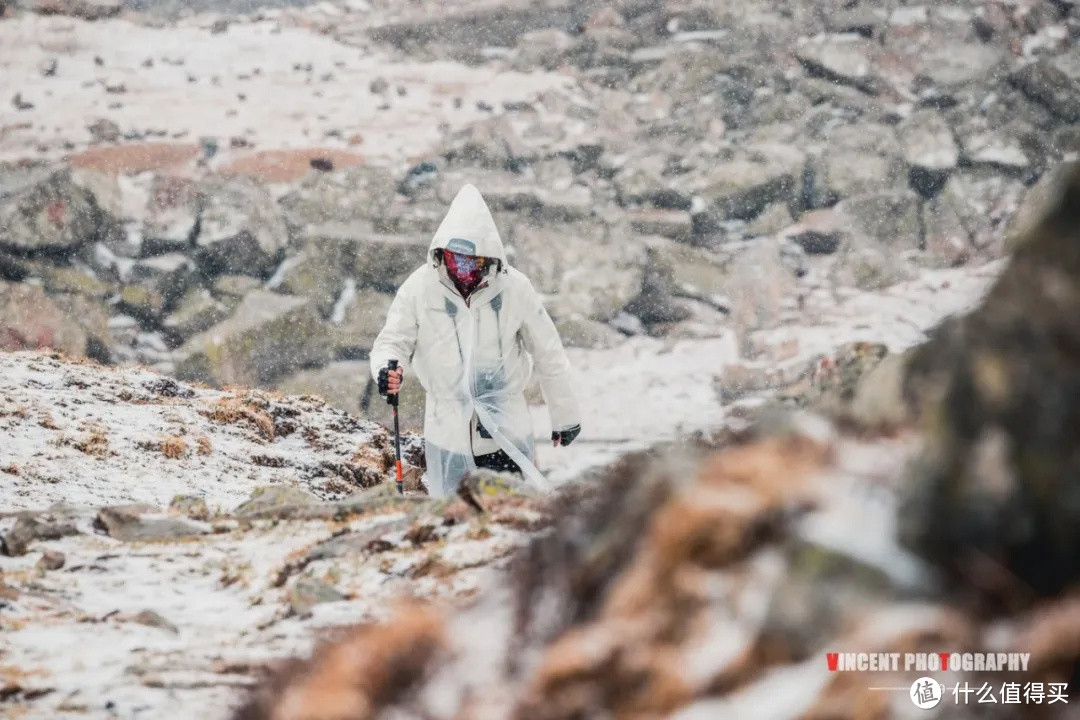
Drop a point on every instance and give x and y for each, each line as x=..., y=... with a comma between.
x=469, y=228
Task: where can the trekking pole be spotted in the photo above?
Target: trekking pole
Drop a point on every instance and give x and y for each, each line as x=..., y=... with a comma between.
x=392, y=399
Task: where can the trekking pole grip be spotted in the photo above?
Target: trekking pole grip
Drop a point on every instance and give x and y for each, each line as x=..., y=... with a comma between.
x=392, y=398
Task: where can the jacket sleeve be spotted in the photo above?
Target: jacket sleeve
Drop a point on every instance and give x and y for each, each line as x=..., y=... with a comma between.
x=397, y=339
x=541, y=340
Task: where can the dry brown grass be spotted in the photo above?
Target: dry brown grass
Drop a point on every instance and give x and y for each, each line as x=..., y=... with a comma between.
x=10, y=469
x=47, y=421
x=373, y=458
x=18, y=411
x=736, y=500
x=355, y=677
x=230, y=411
x=95, y=443
x=203, y=446
x=173, y=447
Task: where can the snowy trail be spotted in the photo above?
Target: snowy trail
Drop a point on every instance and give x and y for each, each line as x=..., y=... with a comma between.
x=649, y=390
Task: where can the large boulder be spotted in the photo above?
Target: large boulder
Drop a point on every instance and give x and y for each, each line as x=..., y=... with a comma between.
x=85, y=9
x=496, y=143
x=242, y=229
x=945, y=237
x=165, y=276
x=953, y=66
x=842, y=58
x=888, y=219
x=362, y=317
x=45, y=211
x=587, y=269
x=319, y=271
x=196, y=311
x=172, y=216
x=996, y=149
x=640, y=181
x=869, y=267
x=348, y=385
x=73, y=280
x=267, y=336
x=757, y=283
x=93, y=317
x=753, y=178
x=1048, y=85
x=362, y=197
x=342, y=384
x=383, y=262
x=547, y=48
x=853, y=159
x=29, y=319
x=994, y=497
x=929, y=150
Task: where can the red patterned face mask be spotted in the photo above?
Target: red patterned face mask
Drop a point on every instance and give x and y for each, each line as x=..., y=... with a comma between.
x=465, y=270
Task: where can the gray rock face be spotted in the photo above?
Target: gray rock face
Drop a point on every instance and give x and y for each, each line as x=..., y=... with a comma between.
x=928, y=142
x=383, y=262
x=954, y=65
x=945, y=237
x=242, y=230
x=360, y=196
x=173, y=216
x=85, y=9
x=740, y=188
x=339, y=383
x=820, y=232
x=308, y=592
x=888, y=219
x=845, y=59
x=869, y=268
x=195, y=312
x=757, y=284
x=138, y=522
x=547, y=48
x=167, y=276
x=46, y=212
x=1004, y=477
x=361, y=321
x=271, y=501
x=588, y=270
x=995, y=149
x=29, y=319
x=28, y=529
x=266, y=336
x=853, y=159
x=640, y=183
x=319, y=271
x=1045, y=83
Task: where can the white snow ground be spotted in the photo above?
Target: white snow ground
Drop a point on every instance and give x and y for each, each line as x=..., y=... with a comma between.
x=649, y=390
x=273, y=82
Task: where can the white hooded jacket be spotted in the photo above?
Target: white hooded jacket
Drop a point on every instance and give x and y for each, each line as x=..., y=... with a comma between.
x=474, y=358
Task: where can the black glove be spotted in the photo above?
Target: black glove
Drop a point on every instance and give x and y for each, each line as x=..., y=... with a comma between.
x=565, y=437
x=384, y=380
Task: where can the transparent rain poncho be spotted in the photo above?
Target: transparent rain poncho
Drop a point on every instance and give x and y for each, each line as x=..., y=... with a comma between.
x=475, y=358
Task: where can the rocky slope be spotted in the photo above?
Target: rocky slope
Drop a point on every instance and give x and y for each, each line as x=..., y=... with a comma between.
x=161, y=542
x=206, y=533
x=664, y=169
x=701, y=584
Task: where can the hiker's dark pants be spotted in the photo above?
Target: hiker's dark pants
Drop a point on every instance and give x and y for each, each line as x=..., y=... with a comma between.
x=498, y=461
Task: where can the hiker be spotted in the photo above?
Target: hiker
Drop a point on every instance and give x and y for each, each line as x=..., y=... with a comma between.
x=471, y=329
